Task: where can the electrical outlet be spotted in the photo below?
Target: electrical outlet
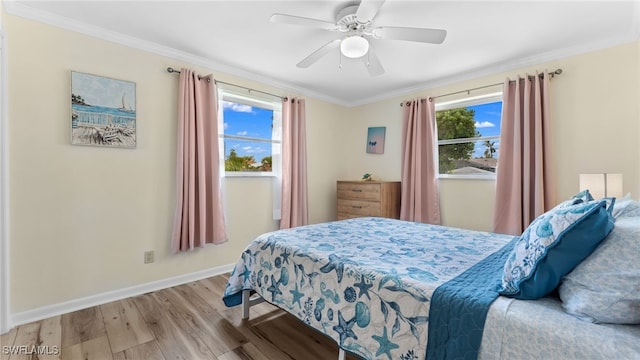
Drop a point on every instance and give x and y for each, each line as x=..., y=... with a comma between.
x=148, y=257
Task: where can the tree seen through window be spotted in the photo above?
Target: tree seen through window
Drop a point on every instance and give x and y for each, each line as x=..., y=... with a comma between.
x=468, y=139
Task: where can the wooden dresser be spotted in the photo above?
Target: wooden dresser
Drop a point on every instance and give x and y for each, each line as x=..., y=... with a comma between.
x=368, y=198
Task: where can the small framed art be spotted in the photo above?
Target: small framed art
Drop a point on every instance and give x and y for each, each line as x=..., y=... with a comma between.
x=103, y=111
x=375, y=140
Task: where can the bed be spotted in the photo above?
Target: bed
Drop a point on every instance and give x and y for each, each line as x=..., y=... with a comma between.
x=369, y=284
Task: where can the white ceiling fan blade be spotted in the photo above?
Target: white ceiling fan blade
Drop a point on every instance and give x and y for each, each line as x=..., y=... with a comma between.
x=372, y=63
x=302, y=21
x=316, y=55
x=432, y=36
x=368, y=10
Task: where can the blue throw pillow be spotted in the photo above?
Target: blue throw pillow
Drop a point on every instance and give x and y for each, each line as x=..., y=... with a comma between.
x=583, y=195
x=553, y=245
x=611, y=202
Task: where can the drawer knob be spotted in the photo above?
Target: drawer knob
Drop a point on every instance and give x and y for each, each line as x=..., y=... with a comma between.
x=357, y=190
x=356, y=207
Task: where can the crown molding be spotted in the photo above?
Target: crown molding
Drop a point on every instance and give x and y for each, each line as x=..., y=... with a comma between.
x=632, y=35
x=28, y=12
x=18, y=9
x=511, y=65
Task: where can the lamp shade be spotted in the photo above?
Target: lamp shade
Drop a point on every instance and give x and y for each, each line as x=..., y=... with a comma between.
x=354, y=46
x=614, y=185
x=601, y=185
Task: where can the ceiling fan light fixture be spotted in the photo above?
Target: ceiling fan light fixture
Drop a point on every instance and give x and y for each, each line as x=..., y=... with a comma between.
x=354, y=46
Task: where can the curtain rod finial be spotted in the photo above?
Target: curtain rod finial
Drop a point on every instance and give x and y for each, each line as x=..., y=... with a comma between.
x=555, y=72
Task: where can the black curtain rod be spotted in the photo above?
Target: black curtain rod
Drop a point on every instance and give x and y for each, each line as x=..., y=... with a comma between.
x=551, y=75
x=172, y=70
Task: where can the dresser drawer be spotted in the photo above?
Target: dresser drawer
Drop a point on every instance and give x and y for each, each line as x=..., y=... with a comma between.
x=368, y=198
x=359, y=191
x=358, y=207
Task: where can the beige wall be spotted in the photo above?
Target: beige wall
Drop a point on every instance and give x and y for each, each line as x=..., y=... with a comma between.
x=81, y=217
x=596, y=120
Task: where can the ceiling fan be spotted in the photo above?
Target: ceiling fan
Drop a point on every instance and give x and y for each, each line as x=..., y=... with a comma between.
x=355, y=23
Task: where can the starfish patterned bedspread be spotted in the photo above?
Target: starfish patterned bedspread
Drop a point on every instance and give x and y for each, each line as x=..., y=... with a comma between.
x=365, y=282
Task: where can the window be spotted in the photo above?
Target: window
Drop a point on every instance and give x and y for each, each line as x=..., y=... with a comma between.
x=469, y=136
x=251, y=133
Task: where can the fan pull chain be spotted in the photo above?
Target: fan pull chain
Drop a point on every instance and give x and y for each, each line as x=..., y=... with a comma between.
x=340, y=63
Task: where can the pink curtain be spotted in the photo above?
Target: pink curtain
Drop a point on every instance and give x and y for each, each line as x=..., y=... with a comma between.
x=199, y=217
x=524, y=186
x=420, y=199
x=294, y=165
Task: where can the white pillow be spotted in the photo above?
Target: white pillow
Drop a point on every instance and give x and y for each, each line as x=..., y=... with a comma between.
x=626, y=207
x=605, y=287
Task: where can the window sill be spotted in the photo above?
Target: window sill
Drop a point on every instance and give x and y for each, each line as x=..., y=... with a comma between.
x=236, y=174
x=467, y=177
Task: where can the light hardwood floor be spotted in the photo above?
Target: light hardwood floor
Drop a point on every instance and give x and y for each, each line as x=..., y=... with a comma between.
x=188, y=321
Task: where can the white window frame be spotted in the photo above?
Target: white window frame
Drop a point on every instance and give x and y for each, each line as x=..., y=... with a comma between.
x=276, y=134
x=460, y=103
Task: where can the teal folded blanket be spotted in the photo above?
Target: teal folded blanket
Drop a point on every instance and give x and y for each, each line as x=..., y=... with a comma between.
x=459, y=308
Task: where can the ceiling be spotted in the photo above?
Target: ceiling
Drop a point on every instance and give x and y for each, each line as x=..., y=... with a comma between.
x=236, y=37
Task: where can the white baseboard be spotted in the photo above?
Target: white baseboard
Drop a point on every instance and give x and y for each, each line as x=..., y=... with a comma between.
x=48, y=311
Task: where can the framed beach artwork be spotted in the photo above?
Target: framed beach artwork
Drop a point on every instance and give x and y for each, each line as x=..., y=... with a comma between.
x=103, y=111
x=375, y=140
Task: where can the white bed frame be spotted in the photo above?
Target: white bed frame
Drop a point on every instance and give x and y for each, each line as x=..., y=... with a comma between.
x=248, y=301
